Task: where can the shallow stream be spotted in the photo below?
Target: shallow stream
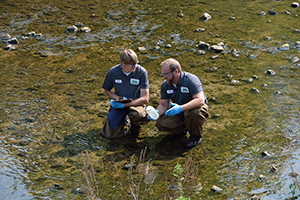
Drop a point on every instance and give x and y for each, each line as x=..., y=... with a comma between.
x=52, y=105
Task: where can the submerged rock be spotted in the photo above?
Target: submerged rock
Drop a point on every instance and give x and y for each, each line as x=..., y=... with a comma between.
x=255, y=90
x=72, y=29
x=271, y=72
x=295, y=5
x=272, y=12
x=206, y=17
x=216, y=189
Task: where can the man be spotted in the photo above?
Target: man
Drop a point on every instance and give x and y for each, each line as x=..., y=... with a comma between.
x=189, y=109
x=130, y=82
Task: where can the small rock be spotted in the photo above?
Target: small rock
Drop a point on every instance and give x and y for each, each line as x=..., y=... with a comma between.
x=297, y=44
x=84, y=30
x=262, y=13
x=216, y=189
x=217, y=48
x=38, y=36
x=247, y=79
x=287, y=12
x=273, y=168
x=206, y=17
x=272, y=12
x=268, y=38
x=77, y=191
x=255, y=90
x=79, y=24
x=201, y=52
x=72, y=29
x=295, y=5
x=235, y=81
x=13, y=41
x=265, y=154
x=168, y=46
x=203, y=45
x=10, y=47
x=30, y=34
x=271, y=72
x=57, y=186
x=284, y=47
x=255, y=198
x=261, y=177
x=180, y=14
x=296, y=31
x=265, y=85
x=142, y=49
x=278, y=92
x=255, y=77
x=200, y=29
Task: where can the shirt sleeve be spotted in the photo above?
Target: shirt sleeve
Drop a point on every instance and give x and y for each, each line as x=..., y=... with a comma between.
x=108, y=82
x=144, y=80
x=195, y=85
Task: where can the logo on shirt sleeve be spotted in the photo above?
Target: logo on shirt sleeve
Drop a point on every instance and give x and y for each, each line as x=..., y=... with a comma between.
x=118, y=81
x=170, y=91
x=134, y=81
x=184, y=90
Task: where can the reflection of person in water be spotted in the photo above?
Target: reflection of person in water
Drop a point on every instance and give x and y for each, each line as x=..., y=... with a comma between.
x=189, y=109
x=130, y=82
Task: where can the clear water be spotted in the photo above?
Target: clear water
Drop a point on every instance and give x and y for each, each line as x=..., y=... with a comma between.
x=52, y=105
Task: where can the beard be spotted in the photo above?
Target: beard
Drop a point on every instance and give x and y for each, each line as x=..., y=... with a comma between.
x=170, y=81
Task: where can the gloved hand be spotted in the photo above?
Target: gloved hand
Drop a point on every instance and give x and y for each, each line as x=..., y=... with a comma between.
x=149, y=117
x=176, y=109
x=116, y=105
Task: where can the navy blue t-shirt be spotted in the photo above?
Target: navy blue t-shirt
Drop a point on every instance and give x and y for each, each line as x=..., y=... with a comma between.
x=126, y=86
x=187, y=86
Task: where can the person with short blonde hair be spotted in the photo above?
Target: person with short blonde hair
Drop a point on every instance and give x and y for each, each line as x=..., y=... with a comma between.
x=131, y=93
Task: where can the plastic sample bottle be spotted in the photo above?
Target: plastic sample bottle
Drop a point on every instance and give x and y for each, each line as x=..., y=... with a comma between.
x=152, y=112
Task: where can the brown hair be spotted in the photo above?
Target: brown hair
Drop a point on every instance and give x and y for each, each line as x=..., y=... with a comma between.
x=172, y=63
x=128, y=56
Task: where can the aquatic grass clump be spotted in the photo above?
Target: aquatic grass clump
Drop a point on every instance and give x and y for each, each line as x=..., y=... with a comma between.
x=89, y=178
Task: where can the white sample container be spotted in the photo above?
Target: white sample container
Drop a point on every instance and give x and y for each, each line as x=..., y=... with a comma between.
x=152, y=112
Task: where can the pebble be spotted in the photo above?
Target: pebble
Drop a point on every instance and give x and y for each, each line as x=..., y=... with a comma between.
x=72, y=29
x=217, y=48
x=295, y=5
x=216, y=189
x=255, y=90
x=284, y=47
x=255, y=198
x=13, y=41
x=262, y=13
x=271, y=72
x=272, y=12
x=201, y=52
x=168, y=46
x=200, y=29
x=84, y=30
x=203, y=45
x=206, y=17
x=235, y=81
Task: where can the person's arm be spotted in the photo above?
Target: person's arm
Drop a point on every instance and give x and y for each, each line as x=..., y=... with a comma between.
x=197, y=101
x=111, y=94
x=163, y=106
x=144, y=99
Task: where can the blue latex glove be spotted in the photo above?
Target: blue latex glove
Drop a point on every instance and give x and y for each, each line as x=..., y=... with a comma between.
x=176, y=109
x=116, y=105
x=151, y=117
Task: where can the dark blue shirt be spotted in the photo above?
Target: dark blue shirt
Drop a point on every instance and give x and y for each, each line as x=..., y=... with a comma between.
x=126, y=86
x=187, y=86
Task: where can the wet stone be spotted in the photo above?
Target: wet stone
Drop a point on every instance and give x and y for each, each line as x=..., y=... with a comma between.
x=295, y=5
x=217, y=48
x=271, y=72
x=30, y=34
x=77, y=191
x=10, y=47
x=57, y=186
x=206, y=17
x=255, y=198
x=287, y=12
x=255, y=90
x=273, y=168
x=200, y=29
x=13, y=41
x=255, y=77
x=262, y=13
x=203, y=45
x=272, y=12
x=84, y=30
x=168, y=46
x=216, y=189
x=72, y=29
x=79, y=24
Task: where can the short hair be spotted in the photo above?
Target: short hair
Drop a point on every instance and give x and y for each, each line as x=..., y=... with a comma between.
x=128, y=56
x=172, y=63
